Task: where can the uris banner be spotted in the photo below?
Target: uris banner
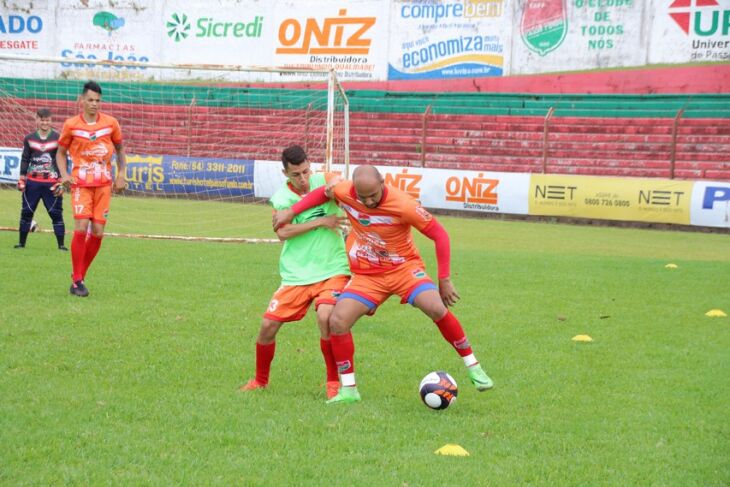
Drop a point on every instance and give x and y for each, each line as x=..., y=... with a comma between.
x=190, y=175
x=432, y=39
x=625, y=199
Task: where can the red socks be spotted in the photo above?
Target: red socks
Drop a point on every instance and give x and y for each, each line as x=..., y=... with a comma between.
x=78, y=251
x=452, y=331
x=92, y=248
x=264, y=356
x=344, y=351
x=329, y=359
x=83, y=250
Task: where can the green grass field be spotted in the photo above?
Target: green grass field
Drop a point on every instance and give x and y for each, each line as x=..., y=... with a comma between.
x=137, y=385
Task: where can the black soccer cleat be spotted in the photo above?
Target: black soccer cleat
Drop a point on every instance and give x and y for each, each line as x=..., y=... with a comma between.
x=63, y=247
x=19, y=246
x=78, y=289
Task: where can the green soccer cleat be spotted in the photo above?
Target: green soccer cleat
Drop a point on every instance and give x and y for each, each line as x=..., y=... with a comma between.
x=346, y=394
x=479, y=378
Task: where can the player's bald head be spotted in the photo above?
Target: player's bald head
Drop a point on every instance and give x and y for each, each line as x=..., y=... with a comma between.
x=368, y=184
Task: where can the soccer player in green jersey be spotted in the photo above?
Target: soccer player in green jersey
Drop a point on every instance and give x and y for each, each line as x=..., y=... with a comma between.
x=313, y=267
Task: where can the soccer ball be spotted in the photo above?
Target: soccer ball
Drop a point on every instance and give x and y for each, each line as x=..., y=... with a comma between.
x=438, y=390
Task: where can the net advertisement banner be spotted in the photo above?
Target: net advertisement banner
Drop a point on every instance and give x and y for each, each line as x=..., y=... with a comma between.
x=175, y=175
x=710, y=204
x=105, y=33
x=606, y=198
x=564, y=35
x=10, y=164
x=434, y=39
x=349, y=36
x=685, y=31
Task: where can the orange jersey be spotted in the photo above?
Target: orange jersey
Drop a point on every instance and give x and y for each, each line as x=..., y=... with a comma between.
x=381, y=237
x=91, y=147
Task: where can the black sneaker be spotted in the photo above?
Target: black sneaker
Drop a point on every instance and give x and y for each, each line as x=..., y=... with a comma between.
x=78, y=289
x=19, y=246
x=62, y=247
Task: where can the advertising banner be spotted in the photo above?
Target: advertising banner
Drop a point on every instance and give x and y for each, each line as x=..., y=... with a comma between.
x=225, y=32
x=351, y=37
x=606, y=198
x=26, y=30
x=434, y=39
x=477, y=191
x=106, y=33
x=565, y=35
x=685, y=31
x=191, y=175
x=10, y=164
x=710, y=204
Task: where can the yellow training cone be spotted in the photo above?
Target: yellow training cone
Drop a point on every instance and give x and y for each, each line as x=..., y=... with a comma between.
x=582, y=338
x=671, y=266
x=452, y=450
x=716, y=313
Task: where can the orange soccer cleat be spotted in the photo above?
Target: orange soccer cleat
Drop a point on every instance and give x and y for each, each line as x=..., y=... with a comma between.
x=252, y=385
x=333, y=387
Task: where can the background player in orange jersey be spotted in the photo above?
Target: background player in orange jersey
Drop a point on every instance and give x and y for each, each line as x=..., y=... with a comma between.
x=313, y=268
x=91, y=138
x=384, y=261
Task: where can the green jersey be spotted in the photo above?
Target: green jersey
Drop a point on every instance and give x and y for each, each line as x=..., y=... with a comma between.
x=316, y=255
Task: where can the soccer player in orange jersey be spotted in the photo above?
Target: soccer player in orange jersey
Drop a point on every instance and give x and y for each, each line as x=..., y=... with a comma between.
x=384, y=261
x=90, y=138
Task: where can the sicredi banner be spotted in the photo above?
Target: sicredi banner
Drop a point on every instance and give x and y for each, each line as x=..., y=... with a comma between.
x=548, y=35
x=225, y=32
x=10, y=164
x=349, y=37
x=607, y=198
x=448, y=39
x=689, y=31
x=710, y=204
x=178, y=175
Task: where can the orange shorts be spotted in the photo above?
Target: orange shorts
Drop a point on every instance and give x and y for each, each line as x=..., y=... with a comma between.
x=290, y=303
x=91, y=202
x=408, y=280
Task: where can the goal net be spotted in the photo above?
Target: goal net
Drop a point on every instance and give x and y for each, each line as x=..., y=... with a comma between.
x=203, y=152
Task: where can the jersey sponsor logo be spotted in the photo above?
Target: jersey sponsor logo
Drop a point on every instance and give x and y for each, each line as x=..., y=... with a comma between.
x=85, y=134
x=423, y=213
x=273, y=305
x=365, y=219
x=98, y=151
x=419, y=273
x=43, y=146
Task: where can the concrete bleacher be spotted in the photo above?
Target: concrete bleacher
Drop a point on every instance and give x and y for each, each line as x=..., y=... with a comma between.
x=679, y=136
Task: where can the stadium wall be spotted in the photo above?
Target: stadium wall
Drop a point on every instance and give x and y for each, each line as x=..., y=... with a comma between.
x=391, y=41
